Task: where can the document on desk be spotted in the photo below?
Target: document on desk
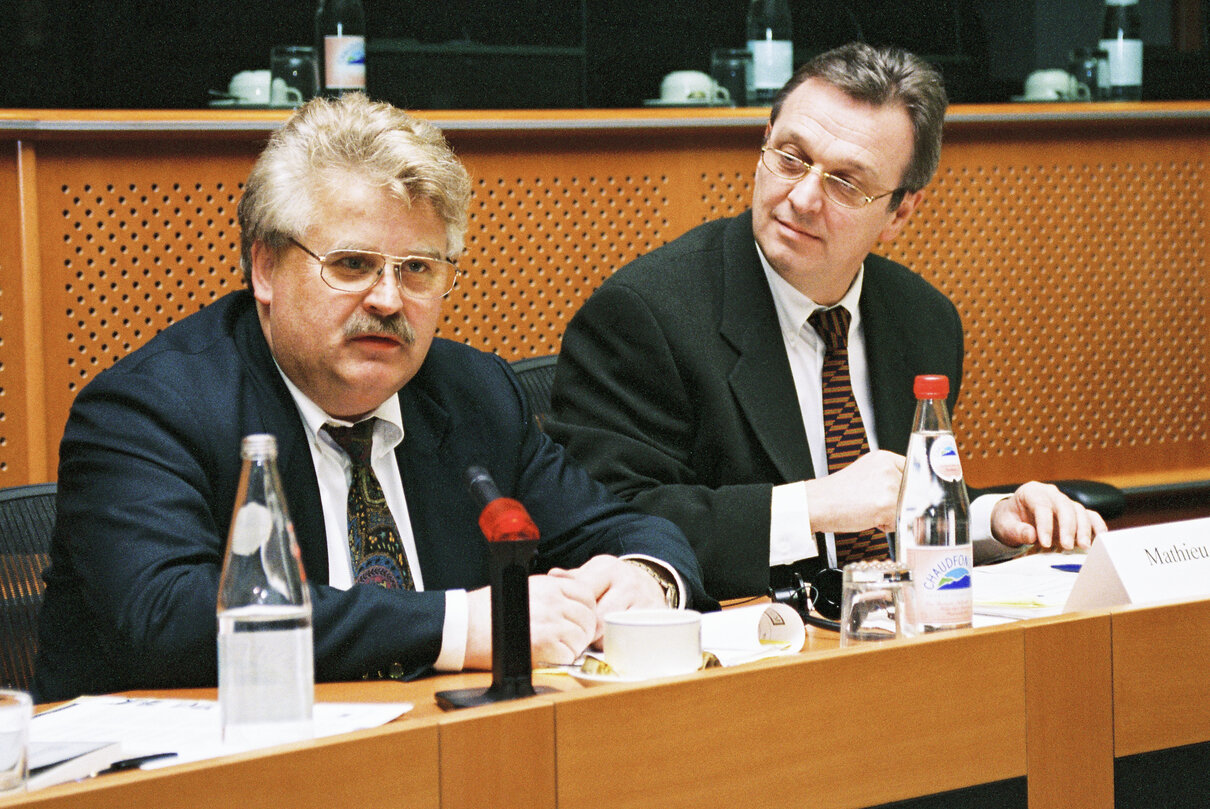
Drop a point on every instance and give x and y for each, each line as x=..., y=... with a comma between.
x=743, y=634
x=187, y=727
x=1030, y=586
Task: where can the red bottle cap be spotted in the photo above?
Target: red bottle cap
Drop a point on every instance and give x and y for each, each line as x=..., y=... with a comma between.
x=931, y=386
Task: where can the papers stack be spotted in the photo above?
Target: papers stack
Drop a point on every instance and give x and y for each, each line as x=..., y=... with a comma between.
x=187, y=727
x=1031, y=586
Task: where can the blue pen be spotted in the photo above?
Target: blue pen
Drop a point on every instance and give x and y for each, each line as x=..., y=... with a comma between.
x=1067, y=568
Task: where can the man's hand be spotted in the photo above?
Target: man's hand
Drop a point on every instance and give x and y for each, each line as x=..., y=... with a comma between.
x=615, y=585
x=860, y=496
x=562, y=621
x=1040, y=514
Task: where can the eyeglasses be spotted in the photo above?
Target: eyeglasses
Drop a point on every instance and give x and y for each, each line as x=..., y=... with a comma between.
x=359, y=270
x=842, y=192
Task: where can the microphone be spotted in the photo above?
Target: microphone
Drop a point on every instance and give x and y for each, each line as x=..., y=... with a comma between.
x=501, y=518
x=512, y=538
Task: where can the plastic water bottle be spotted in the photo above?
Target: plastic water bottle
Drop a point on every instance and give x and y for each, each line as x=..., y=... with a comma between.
x=771, y=48
x=1121, y=76
x=932, y=534
x=340, y=41
x=266, y=667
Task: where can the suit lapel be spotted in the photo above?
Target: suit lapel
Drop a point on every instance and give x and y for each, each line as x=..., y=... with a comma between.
x=426, y=426
x=278, y=416
x=890, y=377
x=760, y=379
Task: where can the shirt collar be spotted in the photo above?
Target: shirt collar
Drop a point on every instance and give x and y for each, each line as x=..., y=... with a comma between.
x=388, y=431
x=793, y=307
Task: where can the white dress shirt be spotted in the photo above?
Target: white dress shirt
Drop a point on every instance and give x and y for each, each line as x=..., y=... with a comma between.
x=334, y=472
x=790, y=535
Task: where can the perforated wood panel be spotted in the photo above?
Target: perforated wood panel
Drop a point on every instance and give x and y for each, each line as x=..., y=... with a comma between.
x=1078, y=264
x=140, y=256
x=539, y=244
x=548, y=225
x=135, y=237
x=1081, y=278
x=14, y=415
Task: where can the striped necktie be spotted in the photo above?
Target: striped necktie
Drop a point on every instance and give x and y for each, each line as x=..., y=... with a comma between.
x=374, y=543
x=844, y=434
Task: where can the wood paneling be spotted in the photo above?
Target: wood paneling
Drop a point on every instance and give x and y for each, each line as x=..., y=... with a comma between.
x=1069, y=712
x=819, y=727
x=1161, y=677
x=1074, y=244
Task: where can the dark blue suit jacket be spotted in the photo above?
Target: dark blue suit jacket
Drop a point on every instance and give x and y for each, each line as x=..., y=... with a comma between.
x=148, y=470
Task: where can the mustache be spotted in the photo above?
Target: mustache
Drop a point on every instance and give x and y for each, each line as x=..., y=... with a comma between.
x=395, y=326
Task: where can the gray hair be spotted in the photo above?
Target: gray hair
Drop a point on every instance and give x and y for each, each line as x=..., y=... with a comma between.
x=880, y=76
x=328, y=140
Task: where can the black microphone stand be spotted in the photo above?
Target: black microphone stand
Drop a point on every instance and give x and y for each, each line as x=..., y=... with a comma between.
x=513, y=539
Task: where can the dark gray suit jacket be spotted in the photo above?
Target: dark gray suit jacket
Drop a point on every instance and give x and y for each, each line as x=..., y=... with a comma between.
x=148, y=470
x=674, y=389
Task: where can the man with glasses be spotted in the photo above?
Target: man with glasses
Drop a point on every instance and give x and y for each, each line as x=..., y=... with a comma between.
x=697, y=381
x=351, y=220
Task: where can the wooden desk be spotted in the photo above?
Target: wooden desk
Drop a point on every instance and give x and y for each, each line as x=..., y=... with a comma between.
x=1054, y=699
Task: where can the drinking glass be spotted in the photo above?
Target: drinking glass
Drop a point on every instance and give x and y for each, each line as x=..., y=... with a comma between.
x=295, y=75
x=731, y=68
x=871, y=607
x=16, y=712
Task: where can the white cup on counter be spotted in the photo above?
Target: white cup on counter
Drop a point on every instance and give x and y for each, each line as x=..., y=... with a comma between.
x=639, y=644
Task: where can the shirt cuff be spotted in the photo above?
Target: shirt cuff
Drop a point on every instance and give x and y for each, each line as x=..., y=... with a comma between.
x=790, y=535
x=987, y=549
x=980, y=516
x=454, y=631
x=682, y=596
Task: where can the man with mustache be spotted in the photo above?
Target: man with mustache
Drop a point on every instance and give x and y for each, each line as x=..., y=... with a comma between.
x=691, y=382
x=350, y=222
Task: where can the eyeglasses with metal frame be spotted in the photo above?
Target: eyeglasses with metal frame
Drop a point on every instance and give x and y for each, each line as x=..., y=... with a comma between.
x=422, y=277
x=842, y=192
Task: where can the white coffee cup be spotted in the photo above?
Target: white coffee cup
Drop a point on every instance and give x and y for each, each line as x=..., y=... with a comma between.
x=692, y=86
x=250, y=87
x=1055, y=85
x=283, y=95
x=639, y=644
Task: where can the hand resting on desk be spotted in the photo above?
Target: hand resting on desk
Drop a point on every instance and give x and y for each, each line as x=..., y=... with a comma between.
x=566, y=609
x=1039, y=514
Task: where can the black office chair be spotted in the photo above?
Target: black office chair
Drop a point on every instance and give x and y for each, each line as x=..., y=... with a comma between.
x=27, y=515
x=536, y=375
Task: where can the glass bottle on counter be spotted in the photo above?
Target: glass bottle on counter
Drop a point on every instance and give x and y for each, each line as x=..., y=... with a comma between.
x=266, y=666
x=340, y=41
x=932, y=532
x=771, y=48
x=1121, y=77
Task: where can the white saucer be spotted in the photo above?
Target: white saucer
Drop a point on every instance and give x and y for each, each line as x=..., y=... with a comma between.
x=660, y=102
x=586, y=679
x=234, y=104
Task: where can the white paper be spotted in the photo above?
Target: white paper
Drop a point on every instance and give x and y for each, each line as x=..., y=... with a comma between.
x=1028, y=586
x=187, y=727
x=743, y=634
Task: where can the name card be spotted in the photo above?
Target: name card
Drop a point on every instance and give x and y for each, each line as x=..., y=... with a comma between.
x=1145, y=565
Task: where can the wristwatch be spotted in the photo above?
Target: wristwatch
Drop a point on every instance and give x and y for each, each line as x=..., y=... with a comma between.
x=672, y=595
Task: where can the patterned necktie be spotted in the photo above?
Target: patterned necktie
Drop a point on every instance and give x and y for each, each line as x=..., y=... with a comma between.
x=374, y=543
x=845, y=436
